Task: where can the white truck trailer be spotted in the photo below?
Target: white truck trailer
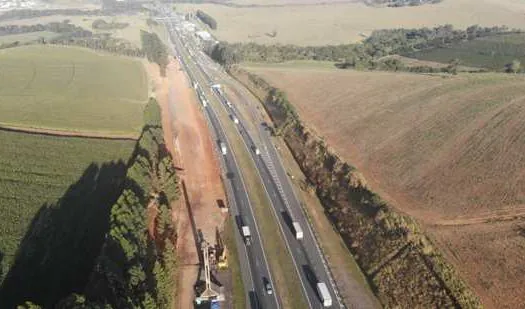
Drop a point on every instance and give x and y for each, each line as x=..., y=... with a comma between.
x=298, y=230
x=324, y=294
x=224, y=150
x=246, y=234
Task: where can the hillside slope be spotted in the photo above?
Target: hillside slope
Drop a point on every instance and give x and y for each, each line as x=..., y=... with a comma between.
x=446, y=150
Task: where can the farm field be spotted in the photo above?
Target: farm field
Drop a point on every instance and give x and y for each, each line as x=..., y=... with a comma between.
x=492, y=52
x=26, y=37
x=71, y=89
x=448, y=150
x=37, y=170
x=350, y=22
x=130, y=33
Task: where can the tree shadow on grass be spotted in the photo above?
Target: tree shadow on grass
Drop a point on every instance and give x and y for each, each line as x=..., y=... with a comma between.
x=58, y=252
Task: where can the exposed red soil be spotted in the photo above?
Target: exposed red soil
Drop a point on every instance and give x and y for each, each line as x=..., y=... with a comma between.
x=189, y=141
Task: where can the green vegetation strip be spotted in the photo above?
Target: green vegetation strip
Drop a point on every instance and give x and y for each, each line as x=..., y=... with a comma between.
x=239, y=297
x=281, y=263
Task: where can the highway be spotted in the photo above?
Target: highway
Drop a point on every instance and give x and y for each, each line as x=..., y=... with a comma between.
x=308, y=259
x=254, y=265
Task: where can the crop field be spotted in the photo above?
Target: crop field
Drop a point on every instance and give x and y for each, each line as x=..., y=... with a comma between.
x=71, y=89
x=448, y=150
x=492, y=52
x=350, y=22
x=37, y=170
x=130, y=33
x=26, y=37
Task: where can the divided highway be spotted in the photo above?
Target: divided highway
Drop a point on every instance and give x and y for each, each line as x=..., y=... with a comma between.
x=254, y=265
x=307, y=256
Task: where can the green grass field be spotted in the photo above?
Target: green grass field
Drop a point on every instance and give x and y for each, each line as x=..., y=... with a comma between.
x=36, y=170
x=26, y=37
x=491, y=52
x=71, y=89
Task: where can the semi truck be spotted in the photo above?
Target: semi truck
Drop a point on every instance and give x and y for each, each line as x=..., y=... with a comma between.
x=298, y=230
x=246, y=234
x=324, y=294
x=224, y=150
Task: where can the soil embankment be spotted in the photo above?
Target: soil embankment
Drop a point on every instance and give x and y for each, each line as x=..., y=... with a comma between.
x=399, y=260
x=189, y=141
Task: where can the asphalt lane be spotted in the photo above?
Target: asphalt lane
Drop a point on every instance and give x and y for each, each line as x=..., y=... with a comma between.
x=253, y=260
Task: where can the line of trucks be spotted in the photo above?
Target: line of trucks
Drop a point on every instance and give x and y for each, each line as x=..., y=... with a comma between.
x=322, y=289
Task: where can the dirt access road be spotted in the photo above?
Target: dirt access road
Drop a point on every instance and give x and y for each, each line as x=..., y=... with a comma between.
x=189, y=141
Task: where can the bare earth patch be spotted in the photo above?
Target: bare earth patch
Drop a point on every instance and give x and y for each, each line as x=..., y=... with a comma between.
x=447, y=150
x=189, y=140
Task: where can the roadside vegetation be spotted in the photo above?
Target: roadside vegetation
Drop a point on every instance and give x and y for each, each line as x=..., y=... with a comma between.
x=207, y=19
x=397, y=257
x=84, y=90
x=130, y=261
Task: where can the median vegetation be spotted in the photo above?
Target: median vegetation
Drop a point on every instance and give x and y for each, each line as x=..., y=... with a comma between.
x=401, y=263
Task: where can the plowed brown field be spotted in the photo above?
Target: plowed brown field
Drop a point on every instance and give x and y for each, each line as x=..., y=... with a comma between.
x=449, y=151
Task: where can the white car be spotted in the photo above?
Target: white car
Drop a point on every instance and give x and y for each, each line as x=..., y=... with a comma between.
x=268, y=287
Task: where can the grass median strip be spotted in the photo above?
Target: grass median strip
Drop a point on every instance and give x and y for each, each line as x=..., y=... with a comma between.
x=281, y=264
x=239, y=299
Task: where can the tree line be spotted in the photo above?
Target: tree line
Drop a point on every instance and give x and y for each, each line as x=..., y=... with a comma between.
x=58, y=27
x=135, y=267
x=155, y=50
x=207, y=19
x=101, y=24
x=363, y=55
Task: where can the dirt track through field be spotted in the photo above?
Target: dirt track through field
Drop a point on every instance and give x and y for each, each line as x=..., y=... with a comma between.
x=188, y=139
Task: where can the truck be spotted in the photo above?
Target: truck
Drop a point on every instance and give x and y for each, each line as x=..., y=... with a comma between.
x=257, y=151
x=235, y=119
x=298, y=230
x=246, y=234
x=229, y=104
x=224, y=150
x=324, y=294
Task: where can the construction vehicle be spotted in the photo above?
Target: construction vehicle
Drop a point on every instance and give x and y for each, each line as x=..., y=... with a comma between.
x=222, y=256
x=324, y=294
x=246, y=234
x=298, y=230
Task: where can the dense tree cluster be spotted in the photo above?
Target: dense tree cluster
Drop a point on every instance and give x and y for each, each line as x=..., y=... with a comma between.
x=361, y=55
x=135, y=267
x=207, y=19
x=100, y=42
x=58, y=27
x=155, y=50
x=101, y=24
